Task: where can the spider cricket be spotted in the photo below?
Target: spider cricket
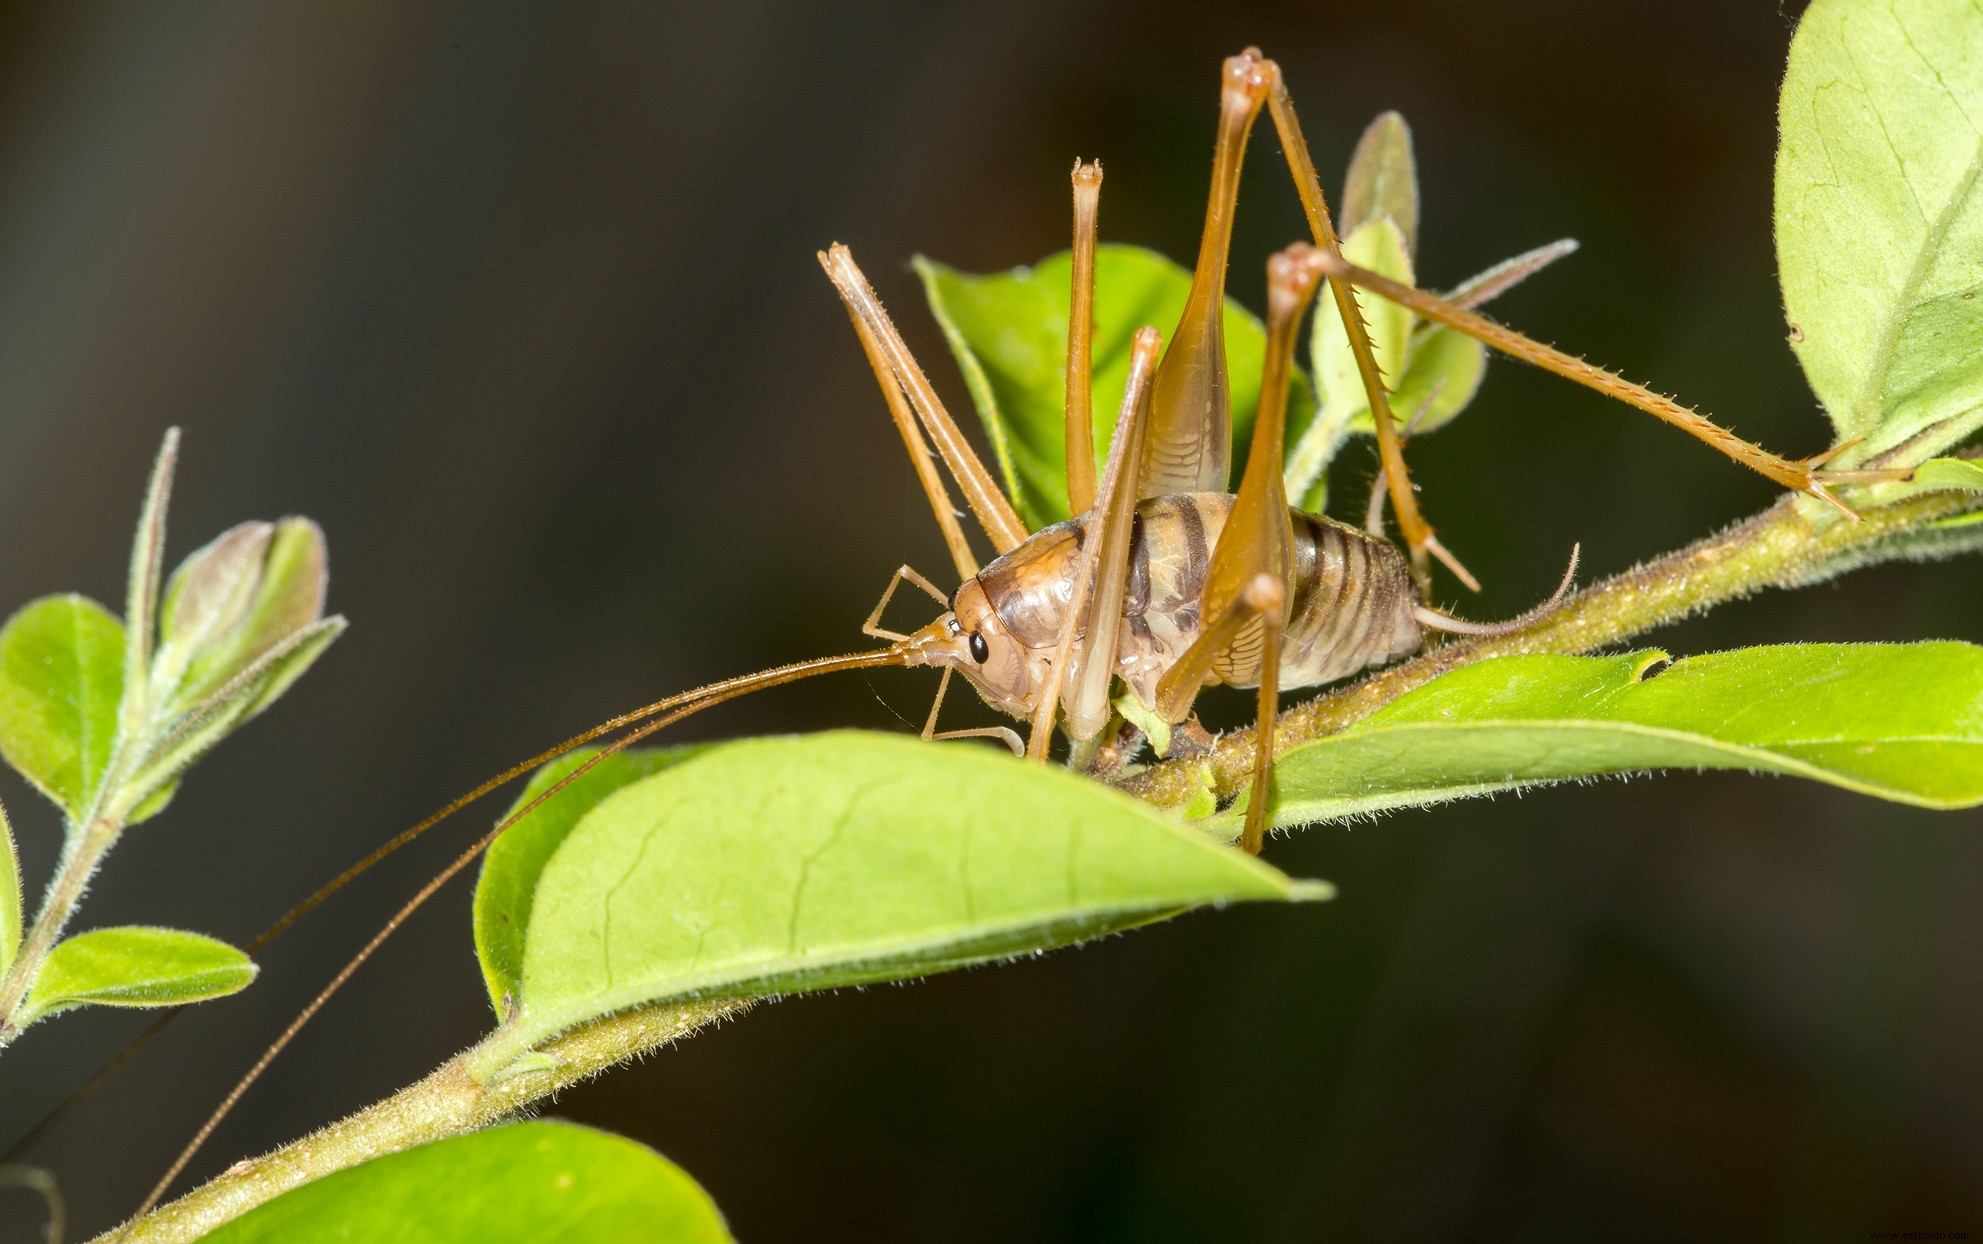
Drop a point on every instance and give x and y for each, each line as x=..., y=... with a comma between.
x=1163, y=579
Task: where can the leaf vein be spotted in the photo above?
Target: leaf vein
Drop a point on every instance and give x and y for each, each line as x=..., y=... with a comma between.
x=811, y=857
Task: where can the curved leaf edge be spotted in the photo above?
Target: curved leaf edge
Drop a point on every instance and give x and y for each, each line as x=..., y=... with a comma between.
x=1296, y=813
x=529, y=1026
x=904, y=963
x=350, y=1200
x=230, y=972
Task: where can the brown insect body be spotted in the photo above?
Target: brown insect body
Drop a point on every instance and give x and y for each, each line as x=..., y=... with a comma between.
x=1351, y=606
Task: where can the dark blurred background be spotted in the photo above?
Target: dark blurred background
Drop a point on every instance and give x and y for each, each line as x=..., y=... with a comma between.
x=519, y=301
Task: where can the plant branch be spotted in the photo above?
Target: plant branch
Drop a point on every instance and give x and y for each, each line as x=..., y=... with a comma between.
x=82, y=854
x=446, y=1103
x=1791, y=544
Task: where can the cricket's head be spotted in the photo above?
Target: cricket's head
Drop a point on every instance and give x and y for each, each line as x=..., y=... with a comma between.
x=973, y=641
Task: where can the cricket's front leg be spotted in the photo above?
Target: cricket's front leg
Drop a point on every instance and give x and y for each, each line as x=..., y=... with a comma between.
x=1078, y=677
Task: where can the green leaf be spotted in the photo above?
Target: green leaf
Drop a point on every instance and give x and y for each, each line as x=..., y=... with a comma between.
x=1008, y=331
x=533, y=1183
x=153, y=803
x=136, y=965
x=1879, y=219
x=268, y=584
x=1379, y=245
x=10, y=895
x=789, y=864
x=175, y=745
x=61, y=677
x=142, y=585
x=288, y=660
x=1897, y=721
x=1441, y=379
x=511, y=868
x=1942, y=475
x=1383, y=180
x=1937, y=475
x=207, y=599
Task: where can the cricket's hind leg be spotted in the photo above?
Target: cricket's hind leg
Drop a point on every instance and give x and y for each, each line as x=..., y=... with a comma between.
x=1250, y=580
x=1188, y=447
x=1420, y=538
x=1805, y=475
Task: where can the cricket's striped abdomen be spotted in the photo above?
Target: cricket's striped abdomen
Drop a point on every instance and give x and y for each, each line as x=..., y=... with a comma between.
x=1350, y=607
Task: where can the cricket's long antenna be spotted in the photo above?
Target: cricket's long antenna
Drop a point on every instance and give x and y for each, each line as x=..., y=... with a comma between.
x=1438, y=621
x=688, y=703
x=53, y=1119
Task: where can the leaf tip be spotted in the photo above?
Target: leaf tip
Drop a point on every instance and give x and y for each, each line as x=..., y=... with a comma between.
x=1300, y=891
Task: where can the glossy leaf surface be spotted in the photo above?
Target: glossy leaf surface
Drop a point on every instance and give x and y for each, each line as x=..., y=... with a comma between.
x=512, y=867
x=1896, y=721
x=1879, y=218
x=61, y=676
x=137, y=965
x=527, y=1183
x=1443, y=372
x=1008, y=331
x=787, y=864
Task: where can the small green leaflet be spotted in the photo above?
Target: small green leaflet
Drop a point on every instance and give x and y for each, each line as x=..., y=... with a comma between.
x=1950, y=474
x=1879, y=219
x=1896, y=721
x=531, y=1183
x=1382, y=183
x=246, y=593
x=136, y=965
x=10, y=895
x=1434, y=368
x=1938, y=475
x=1008, y=331
x=61, y=676
x=1380, y=246
x=789, y=864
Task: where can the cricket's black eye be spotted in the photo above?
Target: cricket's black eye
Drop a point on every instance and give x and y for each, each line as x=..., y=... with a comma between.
x=980, y=650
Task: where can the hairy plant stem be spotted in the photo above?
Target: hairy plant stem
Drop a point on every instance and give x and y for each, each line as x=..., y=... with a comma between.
x=82, y=854
x=446, y=1103
x=1790, y=544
